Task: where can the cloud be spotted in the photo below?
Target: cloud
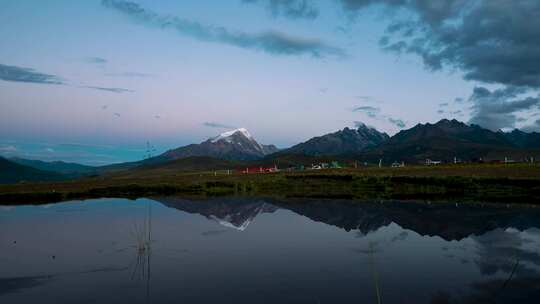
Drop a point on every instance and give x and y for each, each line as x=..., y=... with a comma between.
x=157, y=117
x=271, y=42
x=359, y=124
x=496, y=109
x=20, y=74
x=8, y=149
x=27, y=75
x=363, y=97
x=370, y=111
x=112, y=90
x=444, y=104
x=400, y=237
x=440, y=111
x=129, y=74
x=492, y=41
x=104, y=107
x=534, y=127
x=397, y=122
x=96, y=60
x=217, y=125
x=295, y=9
x=374, y=112
x=117, y=114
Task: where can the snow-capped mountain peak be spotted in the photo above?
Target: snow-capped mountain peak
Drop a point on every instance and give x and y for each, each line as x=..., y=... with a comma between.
x=237, y=144
x=227, y=135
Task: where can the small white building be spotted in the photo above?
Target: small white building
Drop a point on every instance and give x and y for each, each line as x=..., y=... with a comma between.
x=430, y=162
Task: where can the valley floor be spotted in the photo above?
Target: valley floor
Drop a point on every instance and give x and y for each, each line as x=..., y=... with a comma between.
x=515, y=183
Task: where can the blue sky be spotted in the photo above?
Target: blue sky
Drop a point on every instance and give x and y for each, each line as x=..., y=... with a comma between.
x=111, y=75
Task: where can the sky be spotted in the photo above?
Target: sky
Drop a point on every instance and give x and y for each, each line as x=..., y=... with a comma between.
x=95, y=81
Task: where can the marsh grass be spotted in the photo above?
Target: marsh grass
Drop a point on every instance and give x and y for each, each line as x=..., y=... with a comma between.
x=142, y=234
x=374, y=272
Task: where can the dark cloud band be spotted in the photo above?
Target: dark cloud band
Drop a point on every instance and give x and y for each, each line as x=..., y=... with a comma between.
x=112, y=90
x=497, y=109
x=271, y=42
x=217, y=125
x=20, y=74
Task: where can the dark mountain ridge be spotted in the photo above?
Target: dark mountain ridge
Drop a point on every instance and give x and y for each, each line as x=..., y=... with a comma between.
x=61, y=167
x=450, y=139
x=340, y=142
x=11, y=172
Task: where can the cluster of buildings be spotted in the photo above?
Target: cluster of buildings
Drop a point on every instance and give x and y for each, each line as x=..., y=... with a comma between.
x=336, y=165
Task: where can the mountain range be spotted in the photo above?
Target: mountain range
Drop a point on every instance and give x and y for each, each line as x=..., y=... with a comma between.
x=445, y=140
x=449, y=139
x=340, y=142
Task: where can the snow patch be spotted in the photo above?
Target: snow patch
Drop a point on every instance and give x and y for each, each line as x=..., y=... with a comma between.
x=226, y=135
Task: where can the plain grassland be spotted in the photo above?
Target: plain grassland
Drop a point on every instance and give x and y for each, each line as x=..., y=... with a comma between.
x=510, y=183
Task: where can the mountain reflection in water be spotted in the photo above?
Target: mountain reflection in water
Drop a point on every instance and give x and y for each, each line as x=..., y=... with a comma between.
x=256, y=250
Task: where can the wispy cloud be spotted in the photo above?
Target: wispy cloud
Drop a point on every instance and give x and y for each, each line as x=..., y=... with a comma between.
x=96, y=60
x=368, y=110
x=20, y=74
x=217, y=125
x=271, y=42
x=534, y=127
x=397, y=122
x=117, y=114
x=295, y=9
x=129, y=74
x=375, y=113
x=28, y=75
x=8, y=149
x=112, y=90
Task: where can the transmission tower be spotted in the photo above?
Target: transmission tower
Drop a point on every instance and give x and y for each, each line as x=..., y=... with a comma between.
x=150, y=150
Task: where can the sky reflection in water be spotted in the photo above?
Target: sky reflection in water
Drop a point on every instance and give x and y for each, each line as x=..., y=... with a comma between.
x=247, y=250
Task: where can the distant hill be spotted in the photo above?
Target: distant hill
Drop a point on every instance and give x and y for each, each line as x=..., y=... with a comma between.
x=11, y=172
x=64, y=168
x=447, y=139
x=346, y=141
x=444, y=140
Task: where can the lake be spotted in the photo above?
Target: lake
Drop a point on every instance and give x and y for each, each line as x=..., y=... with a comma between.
x=257, y=250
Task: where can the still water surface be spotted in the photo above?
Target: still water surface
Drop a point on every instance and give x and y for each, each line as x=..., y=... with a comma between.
x=248, y=250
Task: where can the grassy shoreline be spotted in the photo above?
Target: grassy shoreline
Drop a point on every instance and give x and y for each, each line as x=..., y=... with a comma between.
x=488, y=183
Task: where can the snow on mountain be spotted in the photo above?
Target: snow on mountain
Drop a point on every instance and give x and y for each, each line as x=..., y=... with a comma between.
x=227, y=135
